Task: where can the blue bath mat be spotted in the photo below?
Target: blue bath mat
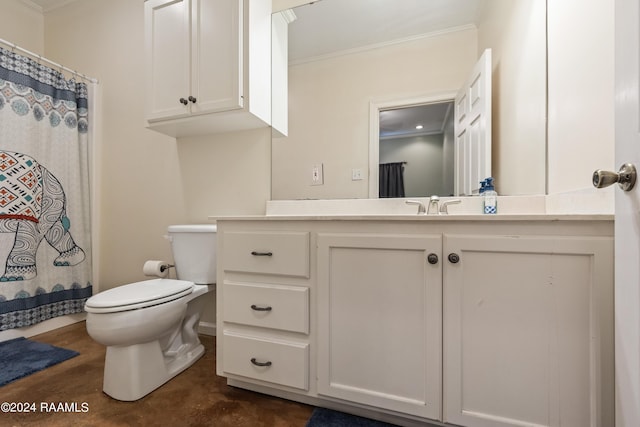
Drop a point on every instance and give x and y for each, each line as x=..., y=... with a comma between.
x=322, y=417
x=20, y=357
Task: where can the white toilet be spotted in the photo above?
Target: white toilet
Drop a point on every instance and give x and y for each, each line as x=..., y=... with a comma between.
x=150, y=327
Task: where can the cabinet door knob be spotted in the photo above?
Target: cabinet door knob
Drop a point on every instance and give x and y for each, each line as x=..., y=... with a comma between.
x=432, y=258
x=258, y=308
x=454, y=258
x=255, y=362
x=192, y=99
x=183, y=101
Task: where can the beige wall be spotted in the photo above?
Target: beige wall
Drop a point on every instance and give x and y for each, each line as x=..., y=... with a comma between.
x=519, y=93
x=329, y=108
x=581, y=93
x=22, y=25
x=140, y=187
x=148, y=180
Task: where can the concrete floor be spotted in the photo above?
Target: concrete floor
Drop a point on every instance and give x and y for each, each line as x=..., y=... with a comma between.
x=196, y=397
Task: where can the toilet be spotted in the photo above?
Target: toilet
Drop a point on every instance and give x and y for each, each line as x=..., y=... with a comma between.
x=150, y=327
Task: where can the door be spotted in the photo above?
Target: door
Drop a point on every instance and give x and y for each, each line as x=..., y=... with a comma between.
x=216, y=74
x=168, y=59
x=379, y=320
x=627, y=217
x=528, y=331
x=473, y=129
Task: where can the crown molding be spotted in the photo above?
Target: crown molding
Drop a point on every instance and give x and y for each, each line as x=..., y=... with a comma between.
x=45, y=6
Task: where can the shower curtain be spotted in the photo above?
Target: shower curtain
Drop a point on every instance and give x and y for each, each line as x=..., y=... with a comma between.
x=45, y=230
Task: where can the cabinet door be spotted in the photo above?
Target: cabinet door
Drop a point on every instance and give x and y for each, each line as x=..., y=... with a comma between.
x=216, y=74
x=528, y=331
x=168, y=60
x=379, y=321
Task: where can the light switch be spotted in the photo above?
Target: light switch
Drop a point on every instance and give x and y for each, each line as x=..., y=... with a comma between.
x=317, y=174
x=356, y=175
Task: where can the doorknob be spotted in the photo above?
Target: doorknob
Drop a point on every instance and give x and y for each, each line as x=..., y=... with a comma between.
x=625, y=177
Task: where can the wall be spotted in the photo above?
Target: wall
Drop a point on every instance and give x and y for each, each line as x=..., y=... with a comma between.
x=141, y=184
x=329, y=108
x=581, y=93
x=519, y=93
x=23, y=25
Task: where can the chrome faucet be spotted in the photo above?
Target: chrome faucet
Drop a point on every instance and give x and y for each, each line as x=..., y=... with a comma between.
x=434, y=201
x=445, y=205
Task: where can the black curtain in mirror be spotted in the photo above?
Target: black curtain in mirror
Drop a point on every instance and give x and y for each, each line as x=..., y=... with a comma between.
x=391, y=180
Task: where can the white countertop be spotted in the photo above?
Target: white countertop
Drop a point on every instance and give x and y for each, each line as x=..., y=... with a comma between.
x=392, y=217
x=587, y=205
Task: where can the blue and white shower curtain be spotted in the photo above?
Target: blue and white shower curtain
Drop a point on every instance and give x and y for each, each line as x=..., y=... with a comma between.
x=45, y=230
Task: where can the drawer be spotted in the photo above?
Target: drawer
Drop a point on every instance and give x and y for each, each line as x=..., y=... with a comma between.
x=279, y=362
x=281, y=253
x=268, y=306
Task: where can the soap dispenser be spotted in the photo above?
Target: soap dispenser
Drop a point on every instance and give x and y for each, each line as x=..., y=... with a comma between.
x=490, y=197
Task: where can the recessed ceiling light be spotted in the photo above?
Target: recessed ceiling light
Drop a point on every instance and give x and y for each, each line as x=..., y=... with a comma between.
x=419, y=127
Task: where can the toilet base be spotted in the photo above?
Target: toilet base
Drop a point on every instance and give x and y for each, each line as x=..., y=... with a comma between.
x=132, y=372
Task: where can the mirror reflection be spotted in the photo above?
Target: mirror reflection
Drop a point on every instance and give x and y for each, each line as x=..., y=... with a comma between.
x=416, y=151
x=347, y=55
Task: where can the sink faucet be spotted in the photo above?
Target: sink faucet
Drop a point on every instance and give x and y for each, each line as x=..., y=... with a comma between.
x=434, y=201
x=421, y=209
x=445, y=205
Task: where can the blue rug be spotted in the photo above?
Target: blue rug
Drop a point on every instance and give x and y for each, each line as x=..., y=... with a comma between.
x=322, y=417
x=21, y=357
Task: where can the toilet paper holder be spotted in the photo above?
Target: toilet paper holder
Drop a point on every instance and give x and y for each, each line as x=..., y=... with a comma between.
x=165, y=267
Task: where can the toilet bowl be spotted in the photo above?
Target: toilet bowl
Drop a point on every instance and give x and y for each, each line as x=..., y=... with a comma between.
x=150, y=327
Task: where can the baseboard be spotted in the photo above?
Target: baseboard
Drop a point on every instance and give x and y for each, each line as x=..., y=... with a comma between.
x=42, y=327
x=207, y=328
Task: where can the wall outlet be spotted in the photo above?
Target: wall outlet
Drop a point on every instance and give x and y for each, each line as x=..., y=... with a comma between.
x=356, y=175
x=317, y=174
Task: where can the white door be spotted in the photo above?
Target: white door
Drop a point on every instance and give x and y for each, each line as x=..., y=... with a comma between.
x=216, y=74
x=473, y=129
x=627, y=218
x=168, y=60
x=379, y=320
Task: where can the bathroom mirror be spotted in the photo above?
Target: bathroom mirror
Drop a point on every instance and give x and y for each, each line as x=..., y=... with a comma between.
x=347, y=55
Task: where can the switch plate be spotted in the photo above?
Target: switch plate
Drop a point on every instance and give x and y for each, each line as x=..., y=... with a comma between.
x=317, y=174
x=356, y=175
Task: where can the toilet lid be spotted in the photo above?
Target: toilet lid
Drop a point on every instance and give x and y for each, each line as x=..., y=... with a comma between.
x=138, y=295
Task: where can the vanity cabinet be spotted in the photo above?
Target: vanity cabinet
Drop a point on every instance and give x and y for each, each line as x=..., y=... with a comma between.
x=208, y=65
x=471, y=323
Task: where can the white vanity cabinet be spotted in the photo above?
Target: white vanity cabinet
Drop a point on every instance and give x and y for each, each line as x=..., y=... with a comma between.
x=485, y=323
x=208, y=65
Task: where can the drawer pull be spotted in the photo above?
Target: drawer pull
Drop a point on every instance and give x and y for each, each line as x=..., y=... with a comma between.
x=258, y=308
x=255, y=362
x=256, y=253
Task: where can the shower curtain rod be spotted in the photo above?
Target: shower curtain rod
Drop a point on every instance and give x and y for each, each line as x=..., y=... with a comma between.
x=14, y=46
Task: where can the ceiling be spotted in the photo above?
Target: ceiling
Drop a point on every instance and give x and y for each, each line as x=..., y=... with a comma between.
x=402, y=122
x=328, y=26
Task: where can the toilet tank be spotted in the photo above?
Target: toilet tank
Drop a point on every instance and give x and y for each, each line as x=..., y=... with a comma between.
x=194, y=252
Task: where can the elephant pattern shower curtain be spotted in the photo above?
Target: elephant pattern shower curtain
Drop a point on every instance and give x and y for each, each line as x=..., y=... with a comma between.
x=45, y=234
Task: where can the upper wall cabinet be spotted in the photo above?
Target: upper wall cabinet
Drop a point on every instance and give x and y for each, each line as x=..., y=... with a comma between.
x=208, y=65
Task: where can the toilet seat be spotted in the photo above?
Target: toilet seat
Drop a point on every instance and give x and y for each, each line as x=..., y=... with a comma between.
x=138, y=295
